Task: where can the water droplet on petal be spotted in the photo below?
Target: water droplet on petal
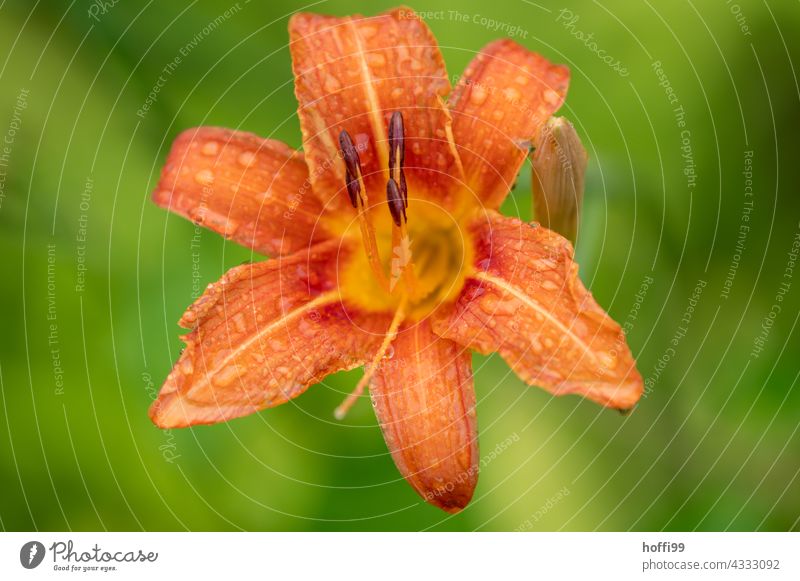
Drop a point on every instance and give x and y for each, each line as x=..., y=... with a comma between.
x=210, y=148
x=187, y=366
x=331, y=84
x=512, y=94
x=478, y=95
x=205, y=177
x=246, y=158
x=552, y=97
x=389, y=352
x=225, y=376
x=220, y=358
x=376, y=59
x=238, y=323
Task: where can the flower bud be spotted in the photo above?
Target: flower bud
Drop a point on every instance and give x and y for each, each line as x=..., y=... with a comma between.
x=559, y=167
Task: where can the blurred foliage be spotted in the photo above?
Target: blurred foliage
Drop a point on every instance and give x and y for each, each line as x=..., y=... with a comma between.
x=714, y=445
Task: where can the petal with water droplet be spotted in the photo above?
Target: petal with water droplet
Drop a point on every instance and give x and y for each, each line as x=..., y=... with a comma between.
x=372, y=67
x=425, y=403
x=504, y=97
x=252, y=190
x=544, y=323
x=252, y=354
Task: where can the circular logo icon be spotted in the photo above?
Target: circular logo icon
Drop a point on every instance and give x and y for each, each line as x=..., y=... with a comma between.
x=31, y=554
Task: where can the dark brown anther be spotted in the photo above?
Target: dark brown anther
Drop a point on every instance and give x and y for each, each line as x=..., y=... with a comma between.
x=352, y=164
x=396, y=205
x=397, y=152
x=353, y=188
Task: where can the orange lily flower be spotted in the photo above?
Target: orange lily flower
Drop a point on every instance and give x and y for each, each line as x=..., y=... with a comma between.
x=388, y=249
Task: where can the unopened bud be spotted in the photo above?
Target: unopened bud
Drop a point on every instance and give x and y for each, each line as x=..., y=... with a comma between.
x=559, y=167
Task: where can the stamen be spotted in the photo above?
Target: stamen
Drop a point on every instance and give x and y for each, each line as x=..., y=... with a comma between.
x=341, y=411
x=358, y=197
x=395, y=200
x=401, y=243
x=397, y=153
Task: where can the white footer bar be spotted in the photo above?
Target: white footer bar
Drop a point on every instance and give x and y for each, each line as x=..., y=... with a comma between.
x=406, y=556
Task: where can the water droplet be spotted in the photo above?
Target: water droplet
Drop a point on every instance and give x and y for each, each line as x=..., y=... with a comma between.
x=331, y=84
x=548, y=284
x=307, y=328
x=608, y=360
x=205, y=177
x=376, y=59
x=225, y=376
x=220, y=357
x=498, y=114
x=246, y=158
x=368, y=32
x=238, y=323
x=521, y=80
x=512, y=94
x=187, y=366
x=210, y=148
x=478, y=95
x=552, y=97
x=389, y=352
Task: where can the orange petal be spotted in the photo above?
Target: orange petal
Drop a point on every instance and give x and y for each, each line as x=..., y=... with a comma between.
x=352, y=73
x=261, y=336
x=526, y=302
x=252, y=190
x=504, y=97
x=425, y=403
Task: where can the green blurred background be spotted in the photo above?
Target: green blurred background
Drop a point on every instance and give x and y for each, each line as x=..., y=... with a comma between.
x=713, y=445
